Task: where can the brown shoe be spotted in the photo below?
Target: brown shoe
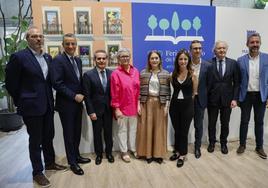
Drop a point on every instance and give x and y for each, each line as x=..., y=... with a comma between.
x=261, y=153
x=55, y=166
x=241, y=149
x=41, y=180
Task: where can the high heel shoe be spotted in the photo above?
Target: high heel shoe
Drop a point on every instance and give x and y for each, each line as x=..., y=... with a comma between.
x=180, y=161
x=174, y=157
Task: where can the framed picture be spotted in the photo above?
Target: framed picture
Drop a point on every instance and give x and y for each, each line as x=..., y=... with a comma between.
x=85, y=56
x=113, y=21
x=112, y=50
x=53, y=50
x=112, y=15
x=52, y=22
x=82, y=21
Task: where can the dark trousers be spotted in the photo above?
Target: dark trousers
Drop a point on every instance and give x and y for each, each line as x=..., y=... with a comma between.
x=181, y=114
x=225, y=113
x=71, y=120
x=41, y=134
x=103, y=122
x=253, y=99
x=198, y=122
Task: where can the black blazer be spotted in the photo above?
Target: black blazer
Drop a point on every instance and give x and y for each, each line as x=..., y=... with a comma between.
x=31, y=92
x=223, y=90
x=65, y=81
x=96, y=99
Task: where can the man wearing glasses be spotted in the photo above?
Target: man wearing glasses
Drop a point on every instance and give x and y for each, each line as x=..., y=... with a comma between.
x=66, y=76
x=28, y=82
x=200, y=68
x=96, y=83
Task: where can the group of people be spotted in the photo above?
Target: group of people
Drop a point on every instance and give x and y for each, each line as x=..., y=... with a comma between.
x=140, y=102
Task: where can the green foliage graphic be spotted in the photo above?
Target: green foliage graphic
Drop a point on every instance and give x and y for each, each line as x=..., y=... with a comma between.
x=196, y=24
x=164, y=25
x=175, y=23
x=186, y=25
x=152, y=23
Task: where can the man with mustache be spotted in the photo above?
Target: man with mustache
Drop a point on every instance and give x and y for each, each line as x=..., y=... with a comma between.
x=253, y=92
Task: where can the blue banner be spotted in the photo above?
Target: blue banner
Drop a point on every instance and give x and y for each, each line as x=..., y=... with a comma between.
x=169, y=28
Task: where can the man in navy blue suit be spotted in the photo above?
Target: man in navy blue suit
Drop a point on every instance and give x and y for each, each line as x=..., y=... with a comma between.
x=96, y=84
x=253, y=92
x=66, y=76
x=223, y=93
x=200, y=68
x=28, y=82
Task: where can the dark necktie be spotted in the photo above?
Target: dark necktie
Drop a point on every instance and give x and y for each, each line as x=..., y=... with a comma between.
x=220, y=68
x=104, y=80
x=75, y=68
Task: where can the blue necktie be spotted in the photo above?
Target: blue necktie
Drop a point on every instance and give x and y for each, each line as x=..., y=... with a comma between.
x=104, y=80
x=75, y=68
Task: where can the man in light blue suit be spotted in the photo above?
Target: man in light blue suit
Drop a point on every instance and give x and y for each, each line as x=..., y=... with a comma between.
x=200, y=68
x=253, y=92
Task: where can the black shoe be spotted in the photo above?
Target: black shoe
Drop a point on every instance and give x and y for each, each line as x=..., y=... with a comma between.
x=211, y=148
x=55, y=166
x=77, y=169
x=110, y=158
x=98, y=160
x=158, y=160
x=82, y=160
x=174, y=157
x=197, y=153
x=261, y=153
x=241, y=149
x=149, y=160
x=224, y=149
x=180, y=163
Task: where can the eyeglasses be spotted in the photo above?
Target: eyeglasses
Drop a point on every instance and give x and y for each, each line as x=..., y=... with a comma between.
x=70, y=43
x=37, y=36
x=124, y=57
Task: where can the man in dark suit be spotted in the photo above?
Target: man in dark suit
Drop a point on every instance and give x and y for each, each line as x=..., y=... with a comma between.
x=253, y=92
x=96, y=84
x=27, y=81
x=66, y=74
x=223, y=93
x=200, y=68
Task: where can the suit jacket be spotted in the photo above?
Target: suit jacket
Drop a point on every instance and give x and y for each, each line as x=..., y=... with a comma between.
x=222, y=90
x=65, y=81
x=243, y=63
x=25, y=82
x=203, y=83
x=96, y=99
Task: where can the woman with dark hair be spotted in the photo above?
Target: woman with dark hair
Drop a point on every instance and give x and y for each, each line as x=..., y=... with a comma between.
x=154, y=102
x=181, y=106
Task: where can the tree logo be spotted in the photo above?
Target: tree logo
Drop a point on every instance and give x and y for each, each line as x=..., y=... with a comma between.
x=175, y=24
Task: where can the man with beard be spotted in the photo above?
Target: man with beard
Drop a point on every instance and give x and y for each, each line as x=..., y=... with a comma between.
x=253, y=92
x=28, y=82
